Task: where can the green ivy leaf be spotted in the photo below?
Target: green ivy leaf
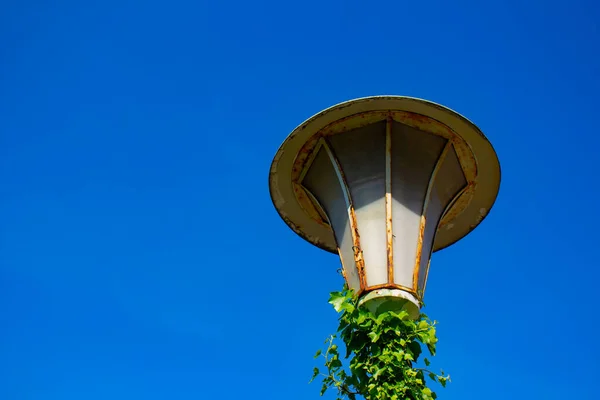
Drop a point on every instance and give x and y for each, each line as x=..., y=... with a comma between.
x=378, y=371
x=336, y=300
x=381, y=352
x=374, y=336
x=415, y=348
x=323, y=389
x=315, y=374
x=362, y=316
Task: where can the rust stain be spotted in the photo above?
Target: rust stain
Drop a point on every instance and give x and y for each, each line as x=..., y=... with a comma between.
x=358, y=254
x=418, y=118
x=309, y=206
x=415, y=120
x=353, y=122
x=303, y=157
x=300, y=232
x=389, y=286
x=458, y=203
x=419, y=251
x=424, y=123
x=423, y=220
x=466, y=159
x=388, y=199
x=343, y=266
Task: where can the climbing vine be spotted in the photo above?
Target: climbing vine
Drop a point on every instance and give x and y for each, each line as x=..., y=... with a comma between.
x=381, y=354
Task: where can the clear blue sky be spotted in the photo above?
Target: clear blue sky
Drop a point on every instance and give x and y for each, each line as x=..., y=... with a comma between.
x=140, y=254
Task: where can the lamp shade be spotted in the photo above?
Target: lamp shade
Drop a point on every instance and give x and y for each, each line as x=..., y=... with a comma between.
x=383, y=182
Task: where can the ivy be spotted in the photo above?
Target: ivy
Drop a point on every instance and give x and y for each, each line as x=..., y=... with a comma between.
x=381, y=354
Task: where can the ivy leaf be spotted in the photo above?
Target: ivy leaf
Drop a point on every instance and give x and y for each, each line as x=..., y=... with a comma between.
x=382, y=317
x=373, y=392
x=315, y=374
x=381, y=351
x=363, y=315
x=415, y=349
x=323, y=389
x=443, y=382
x=347, y=307
x=374, y=336
x=378, y=372
x=431, y=348
x=336, y=300
x=402, y=315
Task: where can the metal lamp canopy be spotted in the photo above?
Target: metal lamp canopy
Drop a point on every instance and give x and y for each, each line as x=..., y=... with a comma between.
x=384, y=181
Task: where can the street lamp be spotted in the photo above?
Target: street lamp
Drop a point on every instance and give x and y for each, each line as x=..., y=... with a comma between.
x=383, y=182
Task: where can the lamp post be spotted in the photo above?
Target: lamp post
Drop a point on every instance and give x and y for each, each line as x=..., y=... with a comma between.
x=383, y=182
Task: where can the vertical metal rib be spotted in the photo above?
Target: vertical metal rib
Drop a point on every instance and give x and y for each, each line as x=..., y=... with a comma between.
x=448, y=207
x=423, y=220
x=358, y=254
x=388, y=199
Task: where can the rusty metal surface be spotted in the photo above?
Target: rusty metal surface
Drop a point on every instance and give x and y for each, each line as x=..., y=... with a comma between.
x=423, y=221
x=390, y=286
x=358, y=254
x=388, y=199
x=303, y=195
x=476, y=156
x=417, y=266
x=310, y=204
x=417, y=121
x=453, y=210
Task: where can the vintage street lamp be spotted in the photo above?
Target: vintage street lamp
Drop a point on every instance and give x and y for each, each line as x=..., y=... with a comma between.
x=384, y=181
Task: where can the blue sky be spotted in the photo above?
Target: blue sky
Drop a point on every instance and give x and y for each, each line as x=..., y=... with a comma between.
x=140, y=254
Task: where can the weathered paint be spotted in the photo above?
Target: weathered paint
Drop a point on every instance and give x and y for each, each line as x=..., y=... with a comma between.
x=423, y=221
x=391, y=299
x=417, y=266
x=457, y=205
x=358, y=254
x=388, y=199
x=310, y=204
x=421, y=122
x=390, y=286
x=318, y=141
x=475, y=154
